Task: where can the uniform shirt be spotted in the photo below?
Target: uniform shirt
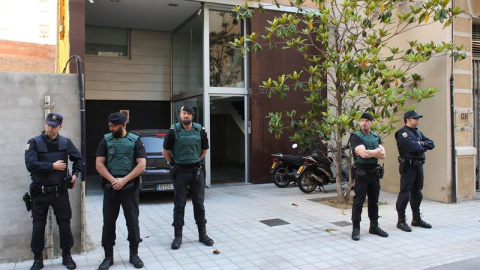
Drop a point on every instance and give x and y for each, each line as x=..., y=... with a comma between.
x=410, y=145
x=139, y=149
x=36, y=166
x=170, y=140
x=356, y=141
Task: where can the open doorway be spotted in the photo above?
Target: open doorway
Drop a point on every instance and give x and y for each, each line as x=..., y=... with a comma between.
x=227, y=139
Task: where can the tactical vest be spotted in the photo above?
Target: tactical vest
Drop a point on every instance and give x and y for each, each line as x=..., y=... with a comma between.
x=188, y=144
x=53, y=177
x=370, y=141
x=419, y=155
x=121, y=154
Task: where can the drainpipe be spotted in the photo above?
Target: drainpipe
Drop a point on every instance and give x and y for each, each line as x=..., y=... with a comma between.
x=48, y=109
x=452, y=126
x=83, y=149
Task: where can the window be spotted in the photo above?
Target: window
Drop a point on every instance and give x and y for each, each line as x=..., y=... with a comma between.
x=105, y=41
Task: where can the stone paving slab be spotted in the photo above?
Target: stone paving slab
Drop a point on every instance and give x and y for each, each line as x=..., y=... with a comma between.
x=314, y=238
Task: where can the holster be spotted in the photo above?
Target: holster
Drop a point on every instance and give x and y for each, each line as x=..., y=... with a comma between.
x=173, y=170
x=379, y=171
x=28, y=201
x=68, y=182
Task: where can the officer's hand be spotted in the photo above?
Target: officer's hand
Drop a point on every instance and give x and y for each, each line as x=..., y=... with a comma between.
x=74, y=180
x=119, y=183
x=59, y=165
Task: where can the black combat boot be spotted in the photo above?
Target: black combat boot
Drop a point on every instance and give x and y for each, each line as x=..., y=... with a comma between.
x=418, y=222
x=134, y=259
x=37, y=261
x=402, y=223
x=356, y=231
x=177, y=241
x=67, y=259
x=108, y=261
x=375, y=229
x=203, y=237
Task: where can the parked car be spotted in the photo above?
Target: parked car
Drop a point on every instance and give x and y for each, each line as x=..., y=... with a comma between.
x=156, y=176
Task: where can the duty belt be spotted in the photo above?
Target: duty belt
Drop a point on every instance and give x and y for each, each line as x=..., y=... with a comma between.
x=35, y=189
x=411, y=161
x=187, y=170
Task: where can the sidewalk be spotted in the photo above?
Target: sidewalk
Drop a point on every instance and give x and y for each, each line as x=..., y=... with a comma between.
x=310, y=240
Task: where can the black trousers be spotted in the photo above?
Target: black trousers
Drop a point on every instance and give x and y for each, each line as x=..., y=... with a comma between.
x=129, y=199
x=197, y=189
x=411, y=185
x=366, y=183
x=60, y=203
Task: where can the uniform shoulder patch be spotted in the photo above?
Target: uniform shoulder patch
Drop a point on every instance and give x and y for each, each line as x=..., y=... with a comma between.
x=203, y=128
x=27, y=146
x=404, y=134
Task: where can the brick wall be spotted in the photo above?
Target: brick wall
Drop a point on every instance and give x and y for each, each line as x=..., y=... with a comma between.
x=26, y=57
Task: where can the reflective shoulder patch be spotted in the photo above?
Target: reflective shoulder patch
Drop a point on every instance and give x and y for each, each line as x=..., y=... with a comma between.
x=203, y=128
x=404, y=134
x=27, y=147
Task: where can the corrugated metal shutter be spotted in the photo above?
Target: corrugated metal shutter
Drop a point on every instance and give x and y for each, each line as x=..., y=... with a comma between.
x=476, y=40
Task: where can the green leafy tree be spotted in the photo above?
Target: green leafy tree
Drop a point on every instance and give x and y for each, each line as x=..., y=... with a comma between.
x=351, y=65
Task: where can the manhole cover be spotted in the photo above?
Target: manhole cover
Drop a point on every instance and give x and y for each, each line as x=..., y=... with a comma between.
x=274, y=222
x=342, y=223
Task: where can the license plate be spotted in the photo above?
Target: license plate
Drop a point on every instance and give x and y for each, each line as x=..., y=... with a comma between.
x=300, y=170
x=273, y=165
x=164, y=187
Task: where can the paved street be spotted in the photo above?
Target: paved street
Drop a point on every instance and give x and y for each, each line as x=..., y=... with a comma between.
x=315, y=236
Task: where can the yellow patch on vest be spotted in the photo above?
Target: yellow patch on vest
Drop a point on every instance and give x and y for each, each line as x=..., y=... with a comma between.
x=27, y=147
x=404, y=134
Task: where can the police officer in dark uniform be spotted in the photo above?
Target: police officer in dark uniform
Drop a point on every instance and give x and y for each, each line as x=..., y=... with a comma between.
x=412, y=145
x=121, y=158
x=185, y=145
x=46, y=158
x=368, y=149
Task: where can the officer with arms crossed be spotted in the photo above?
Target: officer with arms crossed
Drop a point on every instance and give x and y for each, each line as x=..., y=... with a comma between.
x=368, y=149
x=185, y=145
x=46, y=158
x=412, y=145
x=121, y=158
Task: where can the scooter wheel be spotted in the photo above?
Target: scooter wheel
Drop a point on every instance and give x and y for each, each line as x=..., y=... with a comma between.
x=279, y=178
x=306, y=183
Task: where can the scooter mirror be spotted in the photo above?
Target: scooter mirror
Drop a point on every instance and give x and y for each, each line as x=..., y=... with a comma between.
x=294, y=145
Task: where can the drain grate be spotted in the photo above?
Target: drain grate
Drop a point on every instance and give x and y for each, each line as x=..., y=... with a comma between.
x=274, y=222
x=342, y=223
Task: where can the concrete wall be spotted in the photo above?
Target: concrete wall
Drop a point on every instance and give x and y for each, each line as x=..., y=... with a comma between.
x=21, y=108
x=435, y=124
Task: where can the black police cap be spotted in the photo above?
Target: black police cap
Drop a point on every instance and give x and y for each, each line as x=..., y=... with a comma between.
x=367, y=116
x=117, y=118
x=412, y=114
x=187, y=109
x=54, y=119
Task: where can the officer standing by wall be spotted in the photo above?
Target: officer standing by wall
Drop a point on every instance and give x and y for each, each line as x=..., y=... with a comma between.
x=185, y=145
x=368, y=148
x=412, y=145
x=46, y=158
x=121, y=158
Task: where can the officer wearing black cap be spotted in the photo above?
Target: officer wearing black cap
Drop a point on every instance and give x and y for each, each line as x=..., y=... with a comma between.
x=412, y=145
x=46, y=158
x=185, y=145
x=368, y=148
x=121, y=158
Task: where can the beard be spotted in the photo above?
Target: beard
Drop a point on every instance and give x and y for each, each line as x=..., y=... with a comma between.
x=118, y=133
x=186, y=122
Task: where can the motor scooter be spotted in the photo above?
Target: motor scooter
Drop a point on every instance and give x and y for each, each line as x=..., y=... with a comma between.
x=317, y=170
x=284, y=168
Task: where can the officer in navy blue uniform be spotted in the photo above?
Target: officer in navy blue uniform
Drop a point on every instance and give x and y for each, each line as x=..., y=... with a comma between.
x=368, y=148
x=412, y=145
x=46, y=158
x=121, y=158
x=185, y=145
